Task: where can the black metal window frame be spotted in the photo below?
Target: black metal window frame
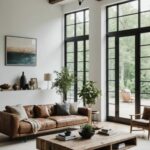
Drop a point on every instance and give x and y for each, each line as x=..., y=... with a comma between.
x=75, y=39
x=116, y=34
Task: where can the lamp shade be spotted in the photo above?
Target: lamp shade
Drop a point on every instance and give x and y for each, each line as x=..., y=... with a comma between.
x=47, y=77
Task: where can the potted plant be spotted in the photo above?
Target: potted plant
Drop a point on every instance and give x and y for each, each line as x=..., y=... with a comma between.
x=63, y=82
x=89, y=93
x=87, y=131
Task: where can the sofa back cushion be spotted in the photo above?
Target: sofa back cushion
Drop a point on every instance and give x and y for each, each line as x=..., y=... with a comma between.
x=41, y=111
x=29, y=110
x=51, y=109
x=18, y=110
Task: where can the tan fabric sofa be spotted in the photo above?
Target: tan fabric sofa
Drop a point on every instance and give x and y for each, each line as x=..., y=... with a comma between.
x=11, y=126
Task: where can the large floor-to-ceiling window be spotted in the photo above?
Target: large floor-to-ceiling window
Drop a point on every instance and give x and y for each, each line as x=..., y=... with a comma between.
x=77, y=49
x=128, y=59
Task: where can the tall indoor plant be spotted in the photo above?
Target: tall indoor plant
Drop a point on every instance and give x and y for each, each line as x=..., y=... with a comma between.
x=89, y=93
x=63, y=82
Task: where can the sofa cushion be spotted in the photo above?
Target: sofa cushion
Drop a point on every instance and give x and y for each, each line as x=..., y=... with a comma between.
x=74, y=108
x=62, y=109
x=29, y=110
x=51, y=109
x=46, y=124
x=140, y=122
x=41, y=111
x=69, y=120
x=18, y=110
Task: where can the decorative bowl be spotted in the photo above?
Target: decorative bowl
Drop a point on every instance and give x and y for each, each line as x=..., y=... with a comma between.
x=86, y=135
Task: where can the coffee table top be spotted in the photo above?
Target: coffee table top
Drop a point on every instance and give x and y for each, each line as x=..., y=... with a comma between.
x=96, y=141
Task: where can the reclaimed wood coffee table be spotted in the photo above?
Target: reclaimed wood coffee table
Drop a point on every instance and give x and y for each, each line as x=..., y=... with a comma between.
x=97, y=142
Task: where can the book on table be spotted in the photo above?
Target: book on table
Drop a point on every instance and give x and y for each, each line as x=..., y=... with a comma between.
x=63, y=137
x=106, y=132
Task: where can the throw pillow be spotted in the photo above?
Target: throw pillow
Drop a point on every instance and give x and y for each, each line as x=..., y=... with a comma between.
x=62, y=109
x=41, y=111
x=73, y=108
x=18, y=110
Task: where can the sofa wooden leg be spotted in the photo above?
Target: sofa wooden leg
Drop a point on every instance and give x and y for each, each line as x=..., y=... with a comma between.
x=131, y=128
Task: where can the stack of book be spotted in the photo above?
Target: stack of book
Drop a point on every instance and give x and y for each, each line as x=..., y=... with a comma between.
x=63, y=137
x=105, y=131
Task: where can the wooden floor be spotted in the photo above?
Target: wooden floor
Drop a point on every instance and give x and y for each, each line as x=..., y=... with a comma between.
x=143, y=142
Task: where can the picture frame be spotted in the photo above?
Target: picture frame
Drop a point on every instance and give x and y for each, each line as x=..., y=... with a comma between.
x=20, y=51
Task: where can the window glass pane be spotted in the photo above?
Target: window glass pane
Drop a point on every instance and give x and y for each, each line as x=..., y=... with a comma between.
x=70, y=46
x=80, y=17
x=87, y=56
x=80, y=85
x=111, y=42
x=145, y=51
x=128, y=8
x=80, y=46
x=145, y=19
x=111, y=97
x=111, y=74
x=145, y=5
x=87, y=76
x=111, y=64
x=80, y=56
x=80, y=66
x=80, y=76
x=111, y=53
x=80, y=30
x=87, y=66
x=87, y=44
x=145, y=38
x=128, y=22
x=145, y=75
x=145, y=63
x=70, y=19
x=87, y=28
x=70, y=66
x=70, y=94
x=111, y=109
x=111, y=86
x=70, y=57
x=145, y=87
x=112, y=25
x=87, y=15
x=112, y=12
x=70, y=31
x=145, y=100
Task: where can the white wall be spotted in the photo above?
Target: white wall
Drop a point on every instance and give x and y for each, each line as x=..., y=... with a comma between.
x=97, y=46
x=35, y=19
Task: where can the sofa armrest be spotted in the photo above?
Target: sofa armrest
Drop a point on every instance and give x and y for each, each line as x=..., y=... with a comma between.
x=9, y=124
x=86, y=112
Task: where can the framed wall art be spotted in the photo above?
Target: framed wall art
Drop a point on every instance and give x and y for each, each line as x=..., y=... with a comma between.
x=20, y=51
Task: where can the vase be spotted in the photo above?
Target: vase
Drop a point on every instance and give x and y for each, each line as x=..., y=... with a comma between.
x=22, y=81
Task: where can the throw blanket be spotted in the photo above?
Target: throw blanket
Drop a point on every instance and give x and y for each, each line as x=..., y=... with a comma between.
x=34, y=123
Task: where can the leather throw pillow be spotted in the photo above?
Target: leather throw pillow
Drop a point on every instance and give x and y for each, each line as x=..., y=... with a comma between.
x=41, y=111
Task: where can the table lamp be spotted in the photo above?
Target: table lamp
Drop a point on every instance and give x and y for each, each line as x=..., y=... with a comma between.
x=47, y=77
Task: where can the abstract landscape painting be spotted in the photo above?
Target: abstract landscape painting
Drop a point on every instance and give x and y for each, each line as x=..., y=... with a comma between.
x=20, y=51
